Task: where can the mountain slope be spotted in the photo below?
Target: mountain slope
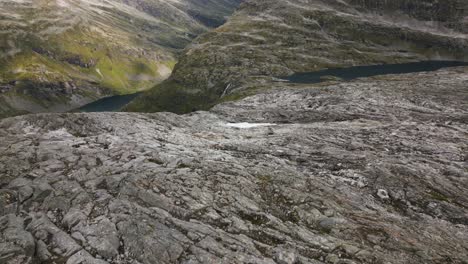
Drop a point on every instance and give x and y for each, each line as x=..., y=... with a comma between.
x=278, y=38
x=59, y=54
x=371, y=171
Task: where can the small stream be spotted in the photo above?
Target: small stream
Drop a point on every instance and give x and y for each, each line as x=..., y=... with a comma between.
x=351, y=73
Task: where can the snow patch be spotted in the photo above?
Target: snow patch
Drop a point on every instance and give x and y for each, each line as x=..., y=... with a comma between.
x=164, y=71
x=58, y=134
x=30, y=130
x=248, y=125
x=99, y=72
x=62, y=3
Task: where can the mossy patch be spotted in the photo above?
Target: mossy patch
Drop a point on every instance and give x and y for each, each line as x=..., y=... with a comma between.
x=172, y=97
x=436, y=195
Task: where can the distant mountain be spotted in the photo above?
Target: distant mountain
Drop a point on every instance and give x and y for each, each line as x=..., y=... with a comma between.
x=59, y=54
x=279, y=38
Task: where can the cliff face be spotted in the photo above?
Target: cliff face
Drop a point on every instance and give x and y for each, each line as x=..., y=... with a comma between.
x=60, y=54
x=369, y=171
x=278, y=38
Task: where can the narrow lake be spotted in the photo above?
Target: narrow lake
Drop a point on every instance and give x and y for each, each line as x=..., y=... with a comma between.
x=108, y=104
x=368, y=71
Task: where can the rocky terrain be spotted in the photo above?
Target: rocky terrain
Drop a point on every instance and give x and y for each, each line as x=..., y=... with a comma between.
x=369, y=171
x=279, y=38
x=56, y=55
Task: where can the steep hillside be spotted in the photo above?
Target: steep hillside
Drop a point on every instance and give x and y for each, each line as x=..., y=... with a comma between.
x=278, y=38
x=59, y=54
x=371, y=171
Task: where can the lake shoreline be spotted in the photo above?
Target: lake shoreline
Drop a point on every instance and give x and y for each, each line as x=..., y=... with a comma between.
x=350, y=73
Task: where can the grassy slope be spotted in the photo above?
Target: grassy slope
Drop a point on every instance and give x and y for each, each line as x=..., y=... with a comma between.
x=79, y=57
x=124, y=49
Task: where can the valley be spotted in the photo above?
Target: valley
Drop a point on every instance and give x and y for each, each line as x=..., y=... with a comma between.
x=221, y=131
x=116, y=103
x=270, y=38
x=61, y=54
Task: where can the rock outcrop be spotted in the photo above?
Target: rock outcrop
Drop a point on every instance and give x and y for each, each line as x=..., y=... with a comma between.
x=369, y=171
x=279, y=38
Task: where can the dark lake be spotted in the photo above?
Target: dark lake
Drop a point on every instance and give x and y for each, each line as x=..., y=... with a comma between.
x=108, y=104
x=373, y=70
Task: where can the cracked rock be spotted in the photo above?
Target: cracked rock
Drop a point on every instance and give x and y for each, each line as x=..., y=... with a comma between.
x=167, y=188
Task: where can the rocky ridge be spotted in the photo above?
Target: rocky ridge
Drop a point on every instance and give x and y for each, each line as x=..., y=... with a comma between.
x=369, y=171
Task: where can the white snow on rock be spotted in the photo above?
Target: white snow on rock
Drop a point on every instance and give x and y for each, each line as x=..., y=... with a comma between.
x=248, y=125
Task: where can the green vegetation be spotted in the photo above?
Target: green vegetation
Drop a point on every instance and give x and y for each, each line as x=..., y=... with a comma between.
x=173, y=97
x=81, y=56
x=82, y=61
x=436, y=195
